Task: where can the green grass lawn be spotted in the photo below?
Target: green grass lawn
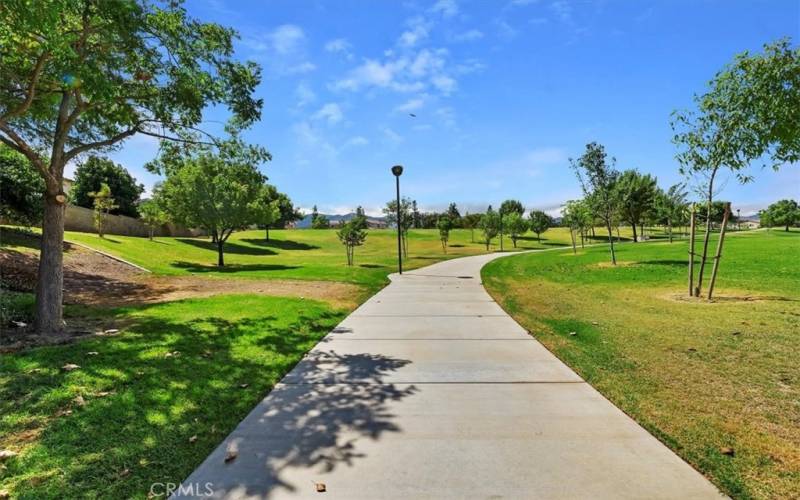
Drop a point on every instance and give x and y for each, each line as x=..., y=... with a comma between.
x=140, y=406
x=701, y=376
x=300, y=254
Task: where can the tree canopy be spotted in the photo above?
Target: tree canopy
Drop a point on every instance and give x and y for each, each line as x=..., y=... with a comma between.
x=81, y=76
x=539, y=222
x=96, y=171
x=21, y=189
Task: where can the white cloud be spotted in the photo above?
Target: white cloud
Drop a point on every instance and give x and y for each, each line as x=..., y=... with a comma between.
x=468, y=36
x=287, y=38
x=410, y=105
x=339, y=46
x=392, y=136
x=304, y=94
x=444, y=83
x=357, y=141
x=418, y=30
x=282, y=50
x=427, y=62
x=505, y=30
x=310, y=140
x=520, y=3
x=303, y=67
x=448, y=8
x=330, y=112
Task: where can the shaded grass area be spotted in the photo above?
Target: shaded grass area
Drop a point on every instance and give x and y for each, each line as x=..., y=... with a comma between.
x=126, y=418
x=717, y=382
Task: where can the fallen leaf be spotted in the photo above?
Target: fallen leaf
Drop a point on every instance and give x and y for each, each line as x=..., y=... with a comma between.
x=6, y=454
x=103, y=394
x=736, y=333
x=69, y=367
x=595, y=323
x=573, y=333
x=725, y=450
x=92, y=353
x=124, y=472
x=243, y=386
x=19, y=324
x=230, y=456
x=320, y=487
x=193, y=439
x=79, y=400
x=691, y=349
x=111, y=331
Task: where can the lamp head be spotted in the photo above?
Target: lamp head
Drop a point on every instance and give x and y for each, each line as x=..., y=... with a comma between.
x=397, y=170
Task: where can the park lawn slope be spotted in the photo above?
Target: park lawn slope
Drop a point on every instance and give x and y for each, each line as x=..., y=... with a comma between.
x=129, y=415
x=300, y=254
x=718, y=382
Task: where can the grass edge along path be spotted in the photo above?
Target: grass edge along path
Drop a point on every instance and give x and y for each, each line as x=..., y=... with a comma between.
x=718, y=383
x=148, y=404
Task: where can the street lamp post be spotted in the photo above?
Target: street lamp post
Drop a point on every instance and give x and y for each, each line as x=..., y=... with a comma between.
x=397, y=170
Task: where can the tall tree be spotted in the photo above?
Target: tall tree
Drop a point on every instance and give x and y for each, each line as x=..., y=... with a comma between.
x=636, y=194
x=416, y=219
x=539, y=222
x=516, y=226
x=94, y=172
x=490, y=226
x=672, y=207
x=509, y=206
x=750, y=111
x=215, y=191
x=83, y=75
x=784, y=213
x=453, y=214
x=598, y=179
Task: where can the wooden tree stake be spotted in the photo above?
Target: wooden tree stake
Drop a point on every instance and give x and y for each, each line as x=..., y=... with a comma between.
x=691, y=251
x=719, y=249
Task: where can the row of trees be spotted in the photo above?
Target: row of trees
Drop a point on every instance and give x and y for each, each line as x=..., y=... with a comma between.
x=750, y=112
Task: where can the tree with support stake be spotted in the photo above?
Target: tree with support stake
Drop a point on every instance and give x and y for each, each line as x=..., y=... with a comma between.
x=719, y=250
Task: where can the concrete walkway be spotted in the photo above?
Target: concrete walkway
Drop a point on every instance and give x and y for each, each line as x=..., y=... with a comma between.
x=430, y=390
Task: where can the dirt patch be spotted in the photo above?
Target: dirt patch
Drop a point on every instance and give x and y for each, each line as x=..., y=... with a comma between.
x=91, y=278
x=724, y=298
x=608, y=264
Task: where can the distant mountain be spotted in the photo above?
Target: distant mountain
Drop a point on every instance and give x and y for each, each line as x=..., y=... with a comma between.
x=305, y=222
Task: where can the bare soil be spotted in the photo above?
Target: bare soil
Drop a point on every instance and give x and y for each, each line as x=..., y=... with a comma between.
x=93, y=279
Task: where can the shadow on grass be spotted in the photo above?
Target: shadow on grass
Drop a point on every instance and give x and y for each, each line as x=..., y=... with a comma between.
x=146, y=415
x=229, y=247
x=194, y=267
x=282, y=244
x=603, y=238
x=372, y=266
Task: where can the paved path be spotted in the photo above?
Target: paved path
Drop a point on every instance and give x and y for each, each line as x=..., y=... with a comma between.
x=430, y=390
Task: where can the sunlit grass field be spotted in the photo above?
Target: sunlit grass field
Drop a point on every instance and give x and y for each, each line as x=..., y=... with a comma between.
x=303, y=253
x=717, y=382
x=148, y=404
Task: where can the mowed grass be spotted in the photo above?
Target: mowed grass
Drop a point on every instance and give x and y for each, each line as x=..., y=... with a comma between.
x=301, y=254
x=126, y=418
x=717, y=382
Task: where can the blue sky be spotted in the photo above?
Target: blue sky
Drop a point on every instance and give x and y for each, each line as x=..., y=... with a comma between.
x=503, y=92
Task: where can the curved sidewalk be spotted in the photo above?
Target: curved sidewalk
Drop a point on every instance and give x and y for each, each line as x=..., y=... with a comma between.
x=430, y=390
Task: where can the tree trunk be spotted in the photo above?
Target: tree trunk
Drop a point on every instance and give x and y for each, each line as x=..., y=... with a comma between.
x=611, y=242
x=50, y=281
x=220, y=257
x=266, y=234
x=593, y=235
x=641, y=231
x=787, y=228
x=635, y=239
x=719, y=250
x=619, y=238
x=538, y=238
x=572, y=236
x=691, y=250
x=669, y=227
